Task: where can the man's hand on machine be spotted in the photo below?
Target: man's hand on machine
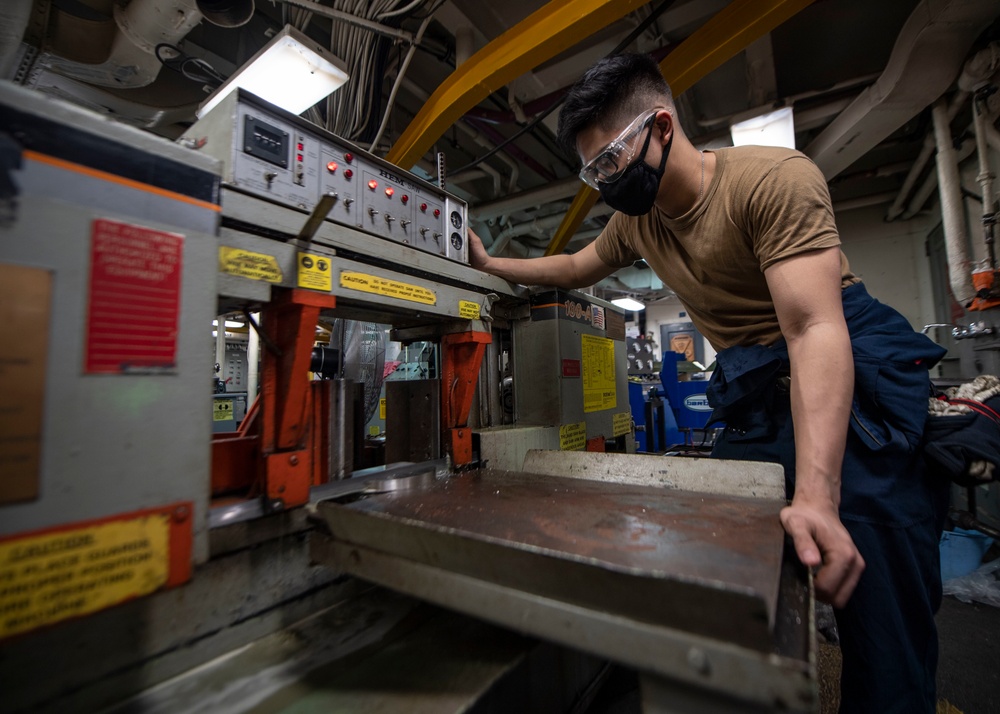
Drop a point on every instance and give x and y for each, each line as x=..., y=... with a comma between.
x=478, y=257
x=821, y=541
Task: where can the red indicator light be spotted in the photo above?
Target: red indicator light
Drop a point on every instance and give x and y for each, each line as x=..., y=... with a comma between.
x=404, y=198
x=348, y=173
x=373, y=184
x=389, y=192
x=332, y=167
x=423, y=206
x=298, y=157
x=437, y=212
x=348, y=158
x=300, y=146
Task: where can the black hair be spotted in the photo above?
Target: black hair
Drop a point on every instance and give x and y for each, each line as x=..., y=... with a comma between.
x=613, y=91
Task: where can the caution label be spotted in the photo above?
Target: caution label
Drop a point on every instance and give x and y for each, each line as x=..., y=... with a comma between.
x=51, y=577
x=388, y=288
x=621, y=424
x=598, y=373
x=381, y=408
x=573, y=437
x=468, y=310
x=373, y=431
x=315, y=272
x=247, y=264
x=223, y=410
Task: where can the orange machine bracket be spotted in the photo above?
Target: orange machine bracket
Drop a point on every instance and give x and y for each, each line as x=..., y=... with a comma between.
x=461, y=356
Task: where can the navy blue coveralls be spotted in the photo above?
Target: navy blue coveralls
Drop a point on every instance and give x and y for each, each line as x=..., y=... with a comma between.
x=893, y=510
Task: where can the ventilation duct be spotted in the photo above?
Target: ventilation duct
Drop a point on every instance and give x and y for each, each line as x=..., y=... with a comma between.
x=141, y=26
x=925, y=60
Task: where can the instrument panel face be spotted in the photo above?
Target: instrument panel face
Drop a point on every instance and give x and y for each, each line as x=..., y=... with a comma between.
x=283, y=162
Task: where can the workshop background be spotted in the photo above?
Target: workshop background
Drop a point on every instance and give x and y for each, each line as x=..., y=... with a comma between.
x=895, y=101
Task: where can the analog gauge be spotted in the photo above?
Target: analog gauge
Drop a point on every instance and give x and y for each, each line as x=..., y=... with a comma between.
x=456, y=219
x=456, y=240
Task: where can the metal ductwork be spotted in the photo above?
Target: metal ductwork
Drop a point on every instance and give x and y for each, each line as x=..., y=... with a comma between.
x=141, y=26
x=925, y=61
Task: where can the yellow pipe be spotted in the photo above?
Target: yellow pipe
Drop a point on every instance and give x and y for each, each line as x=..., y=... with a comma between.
x=730, y=31
x=538, y=38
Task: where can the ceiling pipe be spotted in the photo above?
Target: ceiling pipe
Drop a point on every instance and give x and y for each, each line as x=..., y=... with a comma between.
x=926, y=151
x=852, y=204
x=924, y=62
x=952, y=208
x=142, y=25
x=985, y=177
x=557, y=191
x=931, y=183
x=539, y=224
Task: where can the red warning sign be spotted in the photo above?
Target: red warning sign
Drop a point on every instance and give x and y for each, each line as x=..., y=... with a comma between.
x=135, y=285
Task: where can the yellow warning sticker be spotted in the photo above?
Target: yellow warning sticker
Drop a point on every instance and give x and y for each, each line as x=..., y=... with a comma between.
x=468, y=310
x=621, y=424
x=51, y=577
x=573, y=437
x=247, y=264
x=598, y=358
x=388, y=288
x=381, y=408
x=373, y=431
x=315, y=272
x=223, y=410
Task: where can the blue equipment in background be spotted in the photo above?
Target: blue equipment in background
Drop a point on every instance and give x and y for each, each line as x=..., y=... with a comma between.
x=687, y=399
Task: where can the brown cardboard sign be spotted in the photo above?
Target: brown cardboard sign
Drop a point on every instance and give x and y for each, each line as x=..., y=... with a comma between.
x=25, y=304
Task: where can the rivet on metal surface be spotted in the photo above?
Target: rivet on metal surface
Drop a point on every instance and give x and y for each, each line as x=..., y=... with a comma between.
x=181, y=513
x=699, y=660
x=281, y=489
x=293, y=460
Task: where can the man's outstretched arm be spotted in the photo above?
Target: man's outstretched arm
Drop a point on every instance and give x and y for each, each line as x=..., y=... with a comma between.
x=579, y=270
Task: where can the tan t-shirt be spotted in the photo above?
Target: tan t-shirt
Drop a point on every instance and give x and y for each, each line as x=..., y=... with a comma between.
x=763, y=205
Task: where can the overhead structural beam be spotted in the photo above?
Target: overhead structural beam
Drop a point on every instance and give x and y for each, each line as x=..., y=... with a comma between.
x=718, y=40
x=538, y=38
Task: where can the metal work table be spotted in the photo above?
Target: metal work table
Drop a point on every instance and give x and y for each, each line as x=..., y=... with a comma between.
x=690, y=588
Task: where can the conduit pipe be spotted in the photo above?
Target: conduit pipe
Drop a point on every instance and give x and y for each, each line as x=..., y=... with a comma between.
x=930, y=184
x=540, y=225
x=985, y=177
x=926, y=151
x=952, y=210
x=925, y=60
x=557, y=191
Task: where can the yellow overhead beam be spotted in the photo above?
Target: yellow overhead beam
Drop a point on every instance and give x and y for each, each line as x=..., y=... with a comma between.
x=721, y=38
x=536, y=39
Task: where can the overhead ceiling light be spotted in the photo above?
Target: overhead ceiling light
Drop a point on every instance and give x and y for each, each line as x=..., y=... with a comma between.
x=229, y=323
x=628, y=304
x=291, y=71
x=776, y=128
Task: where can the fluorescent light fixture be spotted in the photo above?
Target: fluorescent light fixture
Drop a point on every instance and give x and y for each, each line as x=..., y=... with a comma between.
x=628, y=304
x=774, y=129
x=291, y=71
x=229, y=323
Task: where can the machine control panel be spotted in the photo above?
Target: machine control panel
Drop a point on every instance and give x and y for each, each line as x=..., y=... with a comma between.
x=285, y=159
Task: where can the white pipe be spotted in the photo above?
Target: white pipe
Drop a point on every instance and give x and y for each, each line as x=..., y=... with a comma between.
x=952, y=209
x=14, y=17
x=540, y=224
x=556, y=191
x=921, y=161
x=253, y=359
x=464, y=45
x=985, y=176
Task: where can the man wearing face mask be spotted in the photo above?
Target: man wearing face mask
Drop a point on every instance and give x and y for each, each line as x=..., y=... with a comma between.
x=746, y=238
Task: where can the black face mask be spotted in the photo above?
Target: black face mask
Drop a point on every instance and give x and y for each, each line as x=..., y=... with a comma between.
x=634, y=193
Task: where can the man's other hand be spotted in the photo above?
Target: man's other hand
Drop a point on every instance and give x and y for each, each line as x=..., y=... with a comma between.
x=478, y=257
x=822, y=541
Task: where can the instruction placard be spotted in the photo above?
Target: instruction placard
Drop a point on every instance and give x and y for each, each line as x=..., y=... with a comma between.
x=621, y=424
x=315, y=272
x=381, y=408
x=223, y=410
x=389, y=288
x=573, y=437
x=598, y=373
x=468, y=310
x=247, y=264
x=54, y=576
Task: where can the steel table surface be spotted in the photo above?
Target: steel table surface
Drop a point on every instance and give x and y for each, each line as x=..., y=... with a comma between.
x=701, y=563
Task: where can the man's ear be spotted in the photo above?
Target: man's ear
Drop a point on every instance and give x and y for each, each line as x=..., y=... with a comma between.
x=664, y=126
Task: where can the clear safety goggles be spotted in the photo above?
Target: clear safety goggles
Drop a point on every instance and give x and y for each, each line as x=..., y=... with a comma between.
x=610, y=164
